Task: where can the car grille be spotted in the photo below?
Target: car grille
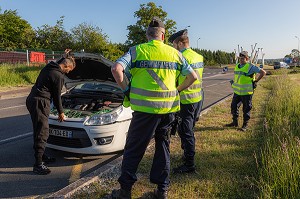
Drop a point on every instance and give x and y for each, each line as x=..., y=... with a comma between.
x=80, y=138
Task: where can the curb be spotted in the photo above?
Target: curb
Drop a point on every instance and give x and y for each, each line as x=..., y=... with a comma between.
x=96, y=176
x=13, y=93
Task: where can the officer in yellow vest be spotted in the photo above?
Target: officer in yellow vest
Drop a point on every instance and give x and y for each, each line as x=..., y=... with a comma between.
x=190, y=101
x=154, y=98
x=243, y=86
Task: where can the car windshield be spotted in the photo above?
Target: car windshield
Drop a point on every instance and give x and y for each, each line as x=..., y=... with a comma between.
x=94, y=86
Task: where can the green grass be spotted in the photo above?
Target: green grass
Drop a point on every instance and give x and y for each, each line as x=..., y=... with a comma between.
x=17, y=75
x=280, y=157
x=263, y=162
x=226, y=159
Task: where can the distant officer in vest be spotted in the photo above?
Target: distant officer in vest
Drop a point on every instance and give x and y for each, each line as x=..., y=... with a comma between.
x=190, y=101
x=154, y=98
x=243, y=86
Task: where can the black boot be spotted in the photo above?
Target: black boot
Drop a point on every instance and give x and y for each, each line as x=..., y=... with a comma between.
x=234, y=123
x=121, y=194
x=184, y=169
x=160, y=194
x=245, y=126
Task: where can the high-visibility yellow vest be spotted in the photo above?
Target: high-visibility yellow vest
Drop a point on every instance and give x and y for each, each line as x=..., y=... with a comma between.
x=154, y=69
x=242, y=84
x=192, y=94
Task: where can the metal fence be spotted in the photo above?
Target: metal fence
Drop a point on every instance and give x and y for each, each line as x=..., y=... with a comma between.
x=29, y=57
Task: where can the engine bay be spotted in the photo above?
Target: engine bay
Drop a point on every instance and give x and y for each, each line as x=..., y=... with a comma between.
x=82, y=105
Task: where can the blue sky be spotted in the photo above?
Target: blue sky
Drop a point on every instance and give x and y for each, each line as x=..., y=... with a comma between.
x=220, y=24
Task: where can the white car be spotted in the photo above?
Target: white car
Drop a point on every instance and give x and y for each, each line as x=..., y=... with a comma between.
x=96, y=122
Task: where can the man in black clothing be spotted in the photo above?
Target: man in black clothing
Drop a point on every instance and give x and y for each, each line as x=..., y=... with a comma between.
x=48, y=86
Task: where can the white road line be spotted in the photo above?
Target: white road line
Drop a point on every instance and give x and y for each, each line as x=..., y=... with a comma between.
x=215, y=76
x=12, y=107
x=15, y=138
x=216, y=84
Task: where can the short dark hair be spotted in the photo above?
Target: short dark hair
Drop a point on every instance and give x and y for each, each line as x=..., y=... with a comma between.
x=69, y=61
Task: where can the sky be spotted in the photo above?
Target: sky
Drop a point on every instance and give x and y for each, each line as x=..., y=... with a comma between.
x=220, y=24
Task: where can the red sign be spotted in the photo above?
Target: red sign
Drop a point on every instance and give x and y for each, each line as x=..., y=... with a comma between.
x=37, y=57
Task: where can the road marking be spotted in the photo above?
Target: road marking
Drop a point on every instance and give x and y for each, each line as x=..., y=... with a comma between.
x=76, y=171
x=216, y=84
x=12, y=107
x=214, y=76
x=15, y=138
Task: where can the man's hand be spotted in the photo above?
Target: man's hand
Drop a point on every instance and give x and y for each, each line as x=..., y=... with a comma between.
x=66, y=53
x=254, y=83
x=61, y=117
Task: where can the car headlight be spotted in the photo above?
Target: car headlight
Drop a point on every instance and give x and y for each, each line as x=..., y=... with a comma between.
x=107, y=118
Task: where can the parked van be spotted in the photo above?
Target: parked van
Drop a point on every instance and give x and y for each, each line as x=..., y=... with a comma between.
x=281, y=64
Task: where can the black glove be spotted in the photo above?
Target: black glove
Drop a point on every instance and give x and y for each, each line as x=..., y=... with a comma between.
x=254, y=84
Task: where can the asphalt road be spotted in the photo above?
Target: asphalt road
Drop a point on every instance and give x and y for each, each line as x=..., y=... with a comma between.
x=16, y=155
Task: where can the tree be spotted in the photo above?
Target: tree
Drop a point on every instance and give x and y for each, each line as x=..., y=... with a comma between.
x=137, y=32
x=54, y=37
x=93, y=40
x=88, y=37
x=15, y=32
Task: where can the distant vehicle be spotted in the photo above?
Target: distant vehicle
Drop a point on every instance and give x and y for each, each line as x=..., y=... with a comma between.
x=278, y=65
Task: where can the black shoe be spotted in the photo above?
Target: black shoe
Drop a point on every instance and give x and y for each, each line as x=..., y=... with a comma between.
x=184, y=169
x=244, y=127
x=41, y=169
x=48, y=159
x=120, y=194
x=232, y=124
x=160, y=194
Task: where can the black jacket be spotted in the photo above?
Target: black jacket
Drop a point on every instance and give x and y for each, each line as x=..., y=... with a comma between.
x=49, y=84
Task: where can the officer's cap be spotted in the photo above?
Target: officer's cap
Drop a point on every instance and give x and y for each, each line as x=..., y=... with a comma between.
x=156, y=22
x=244, y=54
x=177, y=34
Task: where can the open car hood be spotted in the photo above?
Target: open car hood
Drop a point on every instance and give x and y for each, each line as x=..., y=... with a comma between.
x=91, y=67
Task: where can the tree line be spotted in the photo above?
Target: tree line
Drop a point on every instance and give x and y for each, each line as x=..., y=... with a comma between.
x=17, y=33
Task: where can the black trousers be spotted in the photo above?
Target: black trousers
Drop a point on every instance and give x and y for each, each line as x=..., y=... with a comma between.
x=142, y=128
x=188, y=114
x=237, y=101
x=39, y=109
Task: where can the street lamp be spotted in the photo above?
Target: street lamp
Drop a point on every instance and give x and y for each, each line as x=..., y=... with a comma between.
x=298, y=49
x=197, y=42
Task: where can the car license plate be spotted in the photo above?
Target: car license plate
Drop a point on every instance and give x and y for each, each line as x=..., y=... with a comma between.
x=61, y=133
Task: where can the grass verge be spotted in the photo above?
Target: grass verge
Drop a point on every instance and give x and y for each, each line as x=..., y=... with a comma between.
x=225, y=159
x=17, y=75
x=280, y=156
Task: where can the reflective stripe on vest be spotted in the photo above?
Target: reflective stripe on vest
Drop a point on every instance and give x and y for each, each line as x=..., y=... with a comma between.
x=242, y=84
x=154, y=69
x=192, y=94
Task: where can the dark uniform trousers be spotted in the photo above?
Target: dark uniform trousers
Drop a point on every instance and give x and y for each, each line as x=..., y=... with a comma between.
x=39, y=109
x=189, y=115
x=142, y=128
x=237, y=101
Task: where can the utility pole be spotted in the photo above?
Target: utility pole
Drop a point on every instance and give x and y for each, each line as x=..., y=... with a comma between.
x=197, y=42
x=298, y=50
